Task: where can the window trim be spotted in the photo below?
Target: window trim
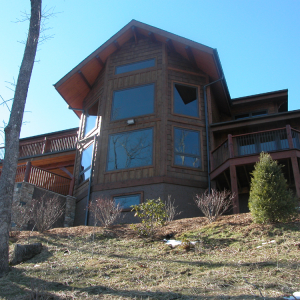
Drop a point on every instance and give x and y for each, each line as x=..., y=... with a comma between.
x=141, y=193
x=139, y=167
x=132, y=87
x=173, y=82
x=199, y=130
x=138, y=70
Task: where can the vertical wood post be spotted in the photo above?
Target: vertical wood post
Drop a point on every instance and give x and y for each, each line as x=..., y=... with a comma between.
x=289, y=136
x=296, y=173
x=71, y=186
x=230, y=146
x=46, y=145
x=27, y=172
x=234, y=189
x=211, y=161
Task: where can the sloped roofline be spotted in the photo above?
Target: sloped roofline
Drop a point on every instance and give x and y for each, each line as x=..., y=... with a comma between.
x=215, y=69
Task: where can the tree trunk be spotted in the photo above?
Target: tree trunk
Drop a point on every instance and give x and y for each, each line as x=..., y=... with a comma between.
x=12, y=133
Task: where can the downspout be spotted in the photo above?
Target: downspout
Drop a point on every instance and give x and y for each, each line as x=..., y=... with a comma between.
x=90, y=184
x=206, y=128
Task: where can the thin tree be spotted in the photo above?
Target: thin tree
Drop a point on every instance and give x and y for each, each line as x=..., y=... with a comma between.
x=12, y=132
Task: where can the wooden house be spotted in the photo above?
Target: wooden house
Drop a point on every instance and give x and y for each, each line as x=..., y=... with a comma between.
x=157, y=119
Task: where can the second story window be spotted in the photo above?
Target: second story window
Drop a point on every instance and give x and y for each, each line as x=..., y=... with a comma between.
x=130, y=149
x=135, y=66
x=91, y=118
x=187, y=148
x=133, y=102
x=185, y=100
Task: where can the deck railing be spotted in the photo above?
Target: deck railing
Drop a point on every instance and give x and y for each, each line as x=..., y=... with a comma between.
x=254, y=143
x=42, y=178
x=45, y=145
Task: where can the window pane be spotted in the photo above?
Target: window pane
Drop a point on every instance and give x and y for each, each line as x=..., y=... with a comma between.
x=86, y=157
x=130, y=149
x=135, y=66
x=187, y=148
x=133, y=102
x=185, y=100
x=127, y=201
x=91, y=118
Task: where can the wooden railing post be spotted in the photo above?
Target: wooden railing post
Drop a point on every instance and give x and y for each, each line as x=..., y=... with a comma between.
x=289, y=136
x=46, y=145
x=27, y=172
x=230, y=146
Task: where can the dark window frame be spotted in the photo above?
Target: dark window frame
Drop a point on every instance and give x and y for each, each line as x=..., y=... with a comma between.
x=199, y=131
x=128, y=88
x=141, y=193
x=135, y=63
x=197, y=87
x=135, y=167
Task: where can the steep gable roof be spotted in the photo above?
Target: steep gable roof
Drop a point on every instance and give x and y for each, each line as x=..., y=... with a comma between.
x=75, y=85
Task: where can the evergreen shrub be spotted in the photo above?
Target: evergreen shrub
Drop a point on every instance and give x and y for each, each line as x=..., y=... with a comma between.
x=270, y=199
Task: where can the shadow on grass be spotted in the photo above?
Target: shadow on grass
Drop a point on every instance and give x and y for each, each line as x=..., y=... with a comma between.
x=20, y=285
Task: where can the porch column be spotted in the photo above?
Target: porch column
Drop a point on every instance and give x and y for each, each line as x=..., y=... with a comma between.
x=234, y=189
x=296, y=174
x=27, y=171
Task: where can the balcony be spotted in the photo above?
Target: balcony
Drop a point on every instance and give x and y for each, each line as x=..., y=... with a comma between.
x=46, y=145
x=240, y=146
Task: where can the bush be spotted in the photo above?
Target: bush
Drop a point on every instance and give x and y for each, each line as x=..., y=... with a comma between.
x=20, y=214
x=213, y=205
x=171, y=210
x=105, y=211
x=152, y=214
x=46, y=211
x=270, y=200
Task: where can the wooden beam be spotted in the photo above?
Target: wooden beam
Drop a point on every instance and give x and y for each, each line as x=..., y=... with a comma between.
x=67, y=172
x=59, y=165
x=152, y=37
x=170, y=45
x=117, y=44
x=234, y=189
x=101, y=63
x=85, y=80
x=135, y=33
x=190, y=55
x=296, y=173
x=248, y=180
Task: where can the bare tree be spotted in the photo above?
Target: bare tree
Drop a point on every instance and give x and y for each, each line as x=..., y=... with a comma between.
x=12, y=132
x=171, y=209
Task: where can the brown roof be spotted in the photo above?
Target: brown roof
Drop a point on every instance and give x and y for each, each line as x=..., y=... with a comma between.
x=74, y=87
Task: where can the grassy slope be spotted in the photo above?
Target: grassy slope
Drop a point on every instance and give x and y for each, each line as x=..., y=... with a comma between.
x=228, y=263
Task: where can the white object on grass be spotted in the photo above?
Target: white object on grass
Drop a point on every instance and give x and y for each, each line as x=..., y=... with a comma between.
x=296, y=295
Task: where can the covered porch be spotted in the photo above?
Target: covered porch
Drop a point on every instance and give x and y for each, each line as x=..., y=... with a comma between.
x=233, y=160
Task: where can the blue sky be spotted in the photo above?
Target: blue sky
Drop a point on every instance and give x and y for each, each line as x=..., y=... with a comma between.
x=258, y=43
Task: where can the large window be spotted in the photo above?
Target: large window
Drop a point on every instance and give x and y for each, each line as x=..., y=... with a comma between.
x=86, y=163
x=130, y=149
x=126, y=201
x=185, y=100
x=135, y=66
x=187, y=148
x=133, y=102
x=91, y=118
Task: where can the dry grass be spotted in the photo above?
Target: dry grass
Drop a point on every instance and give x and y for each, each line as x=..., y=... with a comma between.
x=229, y=262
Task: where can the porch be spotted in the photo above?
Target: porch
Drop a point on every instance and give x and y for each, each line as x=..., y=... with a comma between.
x=234, y=159
x=47, y=161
